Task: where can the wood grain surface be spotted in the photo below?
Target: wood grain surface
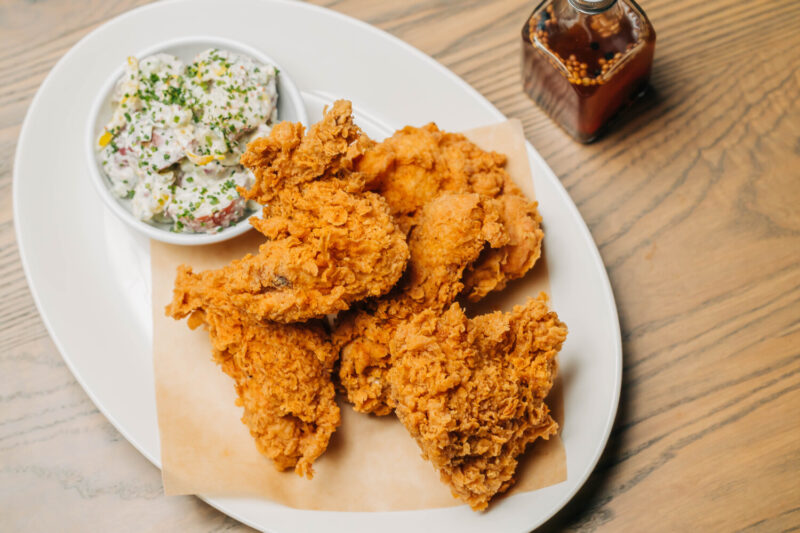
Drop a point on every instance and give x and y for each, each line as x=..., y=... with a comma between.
x=693, y=200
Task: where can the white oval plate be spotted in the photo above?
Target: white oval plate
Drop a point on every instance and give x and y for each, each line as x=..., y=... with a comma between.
x=90, y=274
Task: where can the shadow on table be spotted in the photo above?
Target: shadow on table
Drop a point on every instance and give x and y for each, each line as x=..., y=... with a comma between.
x=633, y=119
x=586, y=509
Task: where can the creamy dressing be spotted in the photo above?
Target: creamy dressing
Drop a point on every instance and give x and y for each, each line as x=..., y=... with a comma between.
x=173, y=144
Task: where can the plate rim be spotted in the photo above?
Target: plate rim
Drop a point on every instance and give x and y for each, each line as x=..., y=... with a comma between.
x=419, y=55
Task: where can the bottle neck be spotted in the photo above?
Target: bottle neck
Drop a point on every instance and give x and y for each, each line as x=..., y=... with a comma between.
x=596, y=24
x=591, y=7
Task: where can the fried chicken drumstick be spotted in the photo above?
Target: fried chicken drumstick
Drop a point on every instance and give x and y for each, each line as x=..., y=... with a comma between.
x=471, y=392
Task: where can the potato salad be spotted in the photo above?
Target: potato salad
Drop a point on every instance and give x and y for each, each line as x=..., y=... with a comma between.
x=171, y=149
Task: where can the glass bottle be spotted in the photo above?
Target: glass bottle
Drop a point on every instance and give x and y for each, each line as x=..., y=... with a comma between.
x=585, y=60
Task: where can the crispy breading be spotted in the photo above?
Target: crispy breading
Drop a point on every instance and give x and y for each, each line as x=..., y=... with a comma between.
x=471, y=392
x=327, y=248
x=415, y=165
x=290, y=157
x=452, y=231
x=330, y=243
x=497, y=266
x=337, y=211
x=283, y=379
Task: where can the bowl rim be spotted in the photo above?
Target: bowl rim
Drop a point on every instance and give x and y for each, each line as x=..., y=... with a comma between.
x=289, y=91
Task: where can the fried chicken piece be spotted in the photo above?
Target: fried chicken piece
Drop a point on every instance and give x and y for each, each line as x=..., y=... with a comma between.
x=330, y=244
x=416, y=164
x=289, y=157
x=326, y=249
x=471, y=392
x=496, y=267
x=282, y=375
x=452, y=231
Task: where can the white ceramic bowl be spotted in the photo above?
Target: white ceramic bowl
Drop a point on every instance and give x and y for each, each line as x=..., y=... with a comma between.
x=290, y=107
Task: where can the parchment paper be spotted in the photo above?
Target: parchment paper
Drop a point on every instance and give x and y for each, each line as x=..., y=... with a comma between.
x=372, y=464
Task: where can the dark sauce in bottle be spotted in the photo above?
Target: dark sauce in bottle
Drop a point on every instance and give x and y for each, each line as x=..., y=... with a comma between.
x=581, y=68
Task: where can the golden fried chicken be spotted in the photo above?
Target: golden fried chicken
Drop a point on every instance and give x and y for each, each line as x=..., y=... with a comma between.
x=283, y=380
x=496, y=267
x=326, y=249
x=416, y=164
x=289, y=157
x=329, y=243
x=471, y=392
x=451, y=232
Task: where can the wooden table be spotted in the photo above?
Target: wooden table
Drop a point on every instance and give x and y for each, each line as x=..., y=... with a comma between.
x=694, y=201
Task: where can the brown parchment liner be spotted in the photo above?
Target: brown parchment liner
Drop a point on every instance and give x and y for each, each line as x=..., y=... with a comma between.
x=372, y=464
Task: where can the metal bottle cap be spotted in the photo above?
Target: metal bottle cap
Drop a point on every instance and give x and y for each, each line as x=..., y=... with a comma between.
x=592, y=7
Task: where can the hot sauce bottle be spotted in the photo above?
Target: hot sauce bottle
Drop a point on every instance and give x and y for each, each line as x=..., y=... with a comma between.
x=585, y=60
